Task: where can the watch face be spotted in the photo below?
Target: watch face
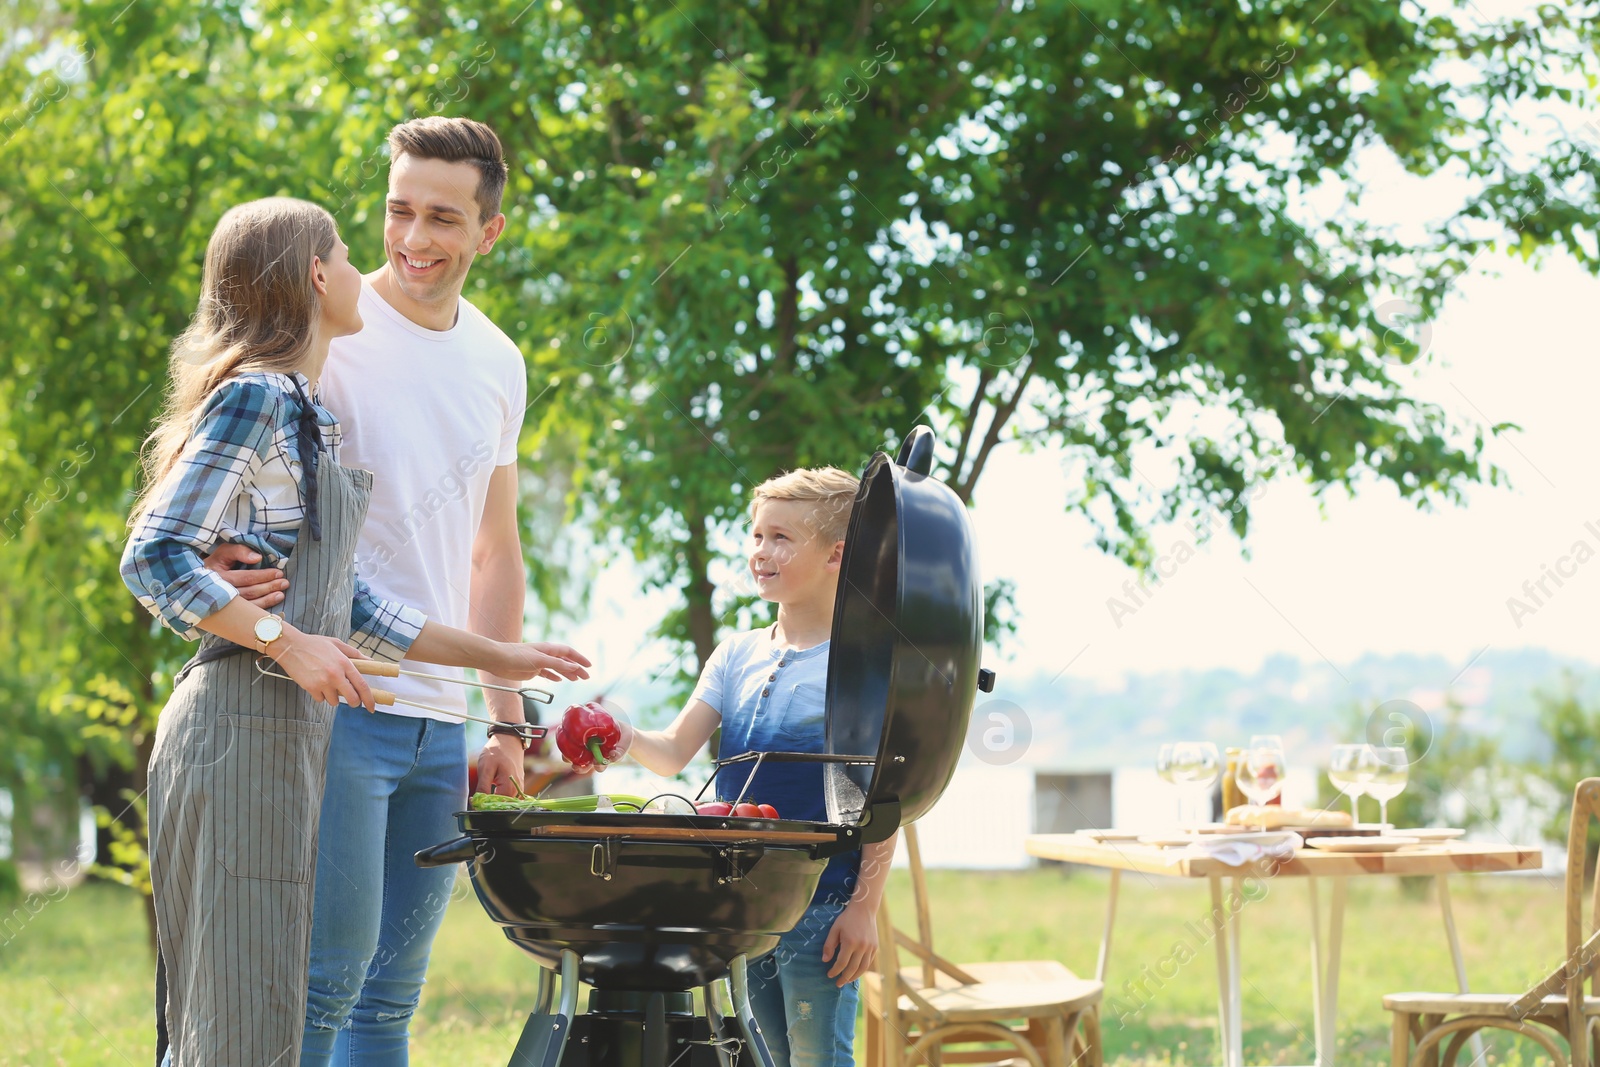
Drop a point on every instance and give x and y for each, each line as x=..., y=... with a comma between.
x=269, y=628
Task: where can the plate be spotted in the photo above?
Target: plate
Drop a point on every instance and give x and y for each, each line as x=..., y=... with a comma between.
x=1363, y=844
x=1434, y=833
x=1309, y=832
x=1254, y=837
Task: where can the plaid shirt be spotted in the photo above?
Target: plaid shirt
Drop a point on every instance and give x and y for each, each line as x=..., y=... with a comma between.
x=238, y=482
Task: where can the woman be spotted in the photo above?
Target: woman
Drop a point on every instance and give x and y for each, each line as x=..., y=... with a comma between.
x=244, y=454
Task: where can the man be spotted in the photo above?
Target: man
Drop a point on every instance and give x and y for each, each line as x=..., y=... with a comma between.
x=431, y=396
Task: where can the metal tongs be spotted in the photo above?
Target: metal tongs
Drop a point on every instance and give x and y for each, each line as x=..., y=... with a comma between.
x=527, y=732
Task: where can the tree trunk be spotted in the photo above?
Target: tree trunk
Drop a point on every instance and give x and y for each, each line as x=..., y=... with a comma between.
x=788, y=318
x=110, y=788
x=142, y=752
x=141, y=776
x=105, y=788
x=697, y=592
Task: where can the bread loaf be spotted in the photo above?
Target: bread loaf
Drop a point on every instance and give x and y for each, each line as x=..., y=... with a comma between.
x=1273, y=817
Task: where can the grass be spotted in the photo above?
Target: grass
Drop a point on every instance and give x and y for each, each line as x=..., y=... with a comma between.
x=75, y=979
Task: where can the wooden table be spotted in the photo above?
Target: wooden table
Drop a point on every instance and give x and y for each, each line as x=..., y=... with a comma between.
x=1440, y=860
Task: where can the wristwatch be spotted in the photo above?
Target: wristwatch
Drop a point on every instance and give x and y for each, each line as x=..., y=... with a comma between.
x=268, y=629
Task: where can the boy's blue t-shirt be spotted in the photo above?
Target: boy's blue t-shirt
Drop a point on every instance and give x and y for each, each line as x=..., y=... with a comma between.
x=772, y=699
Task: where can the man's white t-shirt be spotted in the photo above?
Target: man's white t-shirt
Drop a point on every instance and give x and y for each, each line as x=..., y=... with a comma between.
x=430, y=414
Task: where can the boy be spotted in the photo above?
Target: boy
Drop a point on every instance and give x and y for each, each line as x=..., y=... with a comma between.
x=766, y=689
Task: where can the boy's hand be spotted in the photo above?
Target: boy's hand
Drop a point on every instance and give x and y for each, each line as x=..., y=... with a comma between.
x=590, y=737
x=852, y=944
x=263, y=588
x=583, y=767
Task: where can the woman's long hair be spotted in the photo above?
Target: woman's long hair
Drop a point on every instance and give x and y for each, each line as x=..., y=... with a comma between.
x=257, y=308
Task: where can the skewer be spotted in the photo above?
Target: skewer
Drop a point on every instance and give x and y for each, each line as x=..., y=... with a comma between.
x=525, y=731
x=393, y=670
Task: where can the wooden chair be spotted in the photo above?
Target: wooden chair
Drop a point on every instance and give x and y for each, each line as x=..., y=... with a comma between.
x=1037, y=1010
x=1556, y=1006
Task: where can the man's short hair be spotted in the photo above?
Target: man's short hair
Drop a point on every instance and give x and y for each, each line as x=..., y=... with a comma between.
x=831, y=491
x=456, y=140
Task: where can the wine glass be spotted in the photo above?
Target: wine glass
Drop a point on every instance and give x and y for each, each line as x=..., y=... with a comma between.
x=1389, y=768
x=1164, y=768
x=1195, y=766
x=1349, y=772
x=1261, y=767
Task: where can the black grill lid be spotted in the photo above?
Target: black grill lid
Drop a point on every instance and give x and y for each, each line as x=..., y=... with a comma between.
x=907, y=635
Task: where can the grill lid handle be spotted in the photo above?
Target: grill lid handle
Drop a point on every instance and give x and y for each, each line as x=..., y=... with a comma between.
x=986, y=679
x=916, y=451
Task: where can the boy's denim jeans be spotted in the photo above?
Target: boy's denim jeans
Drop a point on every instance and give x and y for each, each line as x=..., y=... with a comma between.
x=394, y=785
x=807, y=1020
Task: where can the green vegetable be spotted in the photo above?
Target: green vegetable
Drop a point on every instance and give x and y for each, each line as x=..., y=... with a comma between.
x=494, y=802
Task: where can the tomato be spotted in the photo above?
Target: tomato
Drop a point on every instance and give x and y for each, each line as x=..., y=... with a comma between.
x=768, y=811
x=472, y=776
x=714, y=807
x=747, y=810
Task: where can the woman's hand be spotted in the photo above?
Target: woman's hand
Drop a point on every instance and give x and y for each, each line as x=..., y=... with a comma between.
x=540, y=659
x=321, y=666
x=852, y=943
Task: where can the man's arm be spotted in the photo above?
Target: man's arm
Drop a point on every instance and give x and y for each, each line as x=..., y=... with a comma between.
x=264, y=588
x=496, y=598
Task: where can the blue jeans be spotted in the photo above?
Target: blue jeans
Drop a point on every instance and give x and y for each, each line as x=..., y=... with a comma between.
x=394, y=785
x=807, y=1019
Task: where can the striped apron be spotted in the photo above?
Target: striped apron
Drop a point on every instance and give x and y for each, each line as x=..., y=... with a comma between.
x=236, y=780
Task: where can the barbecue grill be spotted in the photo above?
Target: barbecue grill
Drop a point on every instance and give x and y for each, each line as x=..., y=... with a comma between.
x=648, y=908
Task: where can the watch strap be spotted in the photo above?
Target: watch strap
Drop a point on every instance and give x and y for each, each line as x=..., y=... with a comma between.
x=526, y=732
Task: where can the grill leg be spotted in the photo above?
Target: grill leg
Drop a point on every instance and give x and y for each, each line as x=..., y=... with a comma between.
x=544, y=1039
x=745, y=1016
x=545, y=994
x=655, y=1032
x=720, y=1022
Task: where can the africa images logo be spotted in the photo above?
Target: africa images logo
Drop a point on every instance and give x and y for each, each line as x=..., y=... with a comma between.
x=1536, y=592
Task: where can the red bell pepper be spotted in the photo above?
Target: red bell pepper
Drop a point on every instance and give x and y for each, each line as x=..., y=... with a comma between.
x=589, y=738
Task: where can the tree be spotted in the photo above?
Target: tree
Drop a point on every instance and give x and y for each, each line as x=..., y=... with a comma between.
x=1154, y=165
x=1040, y=222
x=1572, y=753
x=746, y=237
x=128, y=130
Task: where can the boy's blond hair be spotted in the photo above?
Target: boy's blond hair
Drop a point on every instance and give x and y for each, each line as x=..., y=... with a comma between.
x=830, y=490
